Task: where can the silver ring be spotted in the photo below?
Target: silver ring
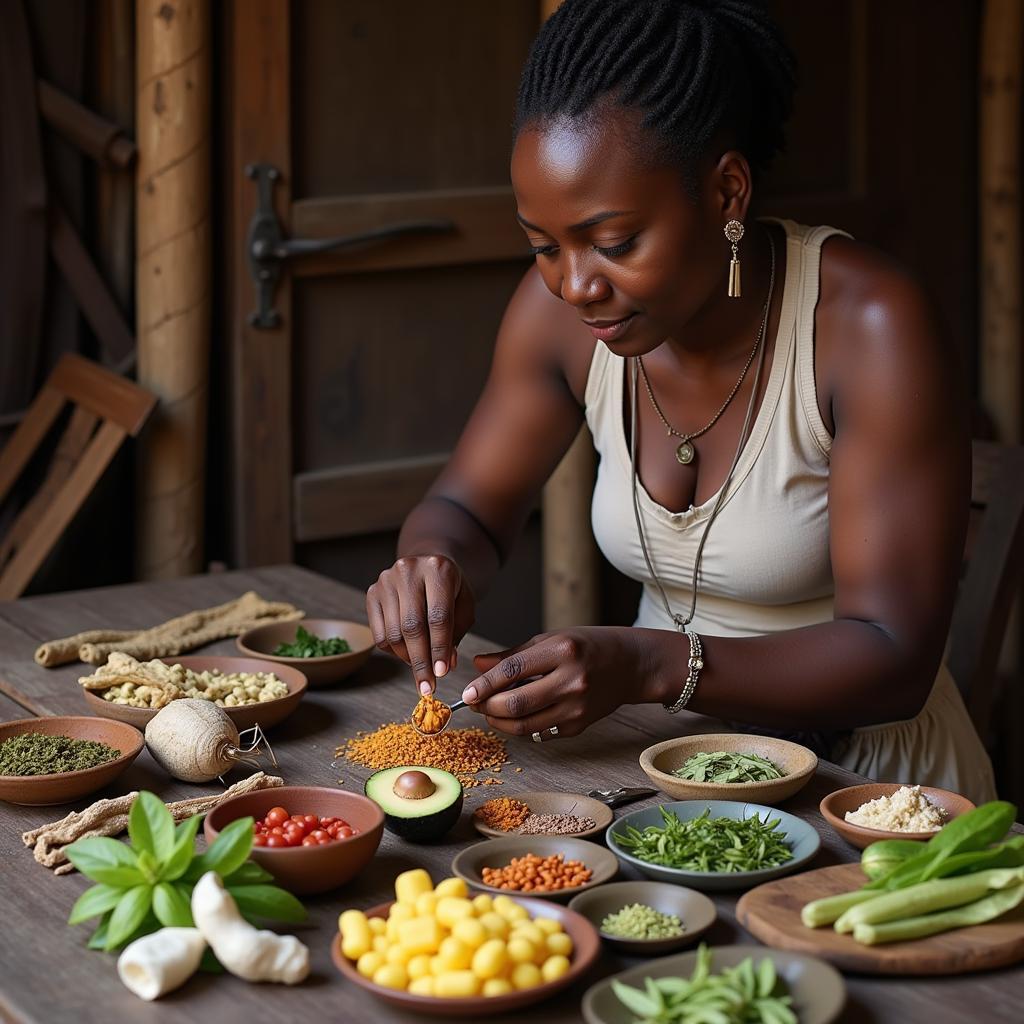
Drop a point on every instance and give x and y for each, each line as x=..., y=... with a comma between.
x=553, y=730
x=535, y=736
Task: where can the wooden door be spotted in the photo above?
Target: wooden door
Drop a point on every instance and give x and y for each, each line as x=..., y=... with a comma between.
x=373, y=112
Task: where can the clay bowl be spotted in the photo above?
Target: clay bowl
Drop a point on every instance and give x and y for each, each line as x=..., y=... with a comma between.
x=556, y=803
x=308, y=869
x=44, y=790
x=834, y=807
x=496, y=853
x=694, y=909
x=584, y=938
x=267, y=714
x=261, y=641
x=662, y=759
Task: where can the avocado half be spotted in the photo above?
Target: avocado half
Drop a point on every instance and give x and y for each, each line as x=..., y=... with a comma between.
x=418, y=818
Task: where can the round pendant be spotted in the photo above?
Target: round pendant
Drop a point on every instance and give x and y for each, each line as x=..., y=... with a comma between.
x=685, y=453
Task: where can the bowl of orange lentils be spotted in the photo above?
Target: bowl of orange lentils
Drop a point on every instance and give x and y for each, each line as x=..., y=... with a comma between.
x=549, y=867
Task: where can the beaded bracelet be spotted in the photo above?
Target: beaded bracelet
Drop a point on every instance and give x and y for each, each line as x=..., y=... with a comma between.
x=693, y=665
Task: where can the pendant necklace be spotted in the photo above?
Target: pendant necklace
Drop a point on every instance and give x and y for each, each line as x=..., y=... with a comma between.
x=680, y=621
x=685, y=451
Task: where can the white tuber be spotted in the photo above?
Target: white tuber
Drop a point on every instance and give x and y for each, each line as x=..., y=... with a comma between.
x=244, y=950
x=158, y=963
x=194, y=740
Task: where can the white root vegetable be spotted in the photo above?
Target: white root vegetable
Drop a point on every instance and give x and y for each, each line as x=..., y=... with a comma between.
x=195, y=741
x=244, y=950
x=159, y=963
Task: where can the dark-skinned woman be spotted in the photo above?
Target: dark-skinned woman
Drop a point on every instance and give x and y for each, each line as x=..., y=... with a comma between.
x=784, y=461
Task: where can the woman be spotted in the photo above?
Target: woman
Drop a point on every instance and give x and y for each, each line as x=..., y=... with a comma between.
x=786, y=433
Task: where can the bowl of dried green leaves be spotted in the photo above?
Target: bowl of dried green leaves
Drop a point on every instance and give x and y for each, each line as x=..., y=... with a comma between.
x=713, y=845
x=325, y=650
x=729, y=766
x=57, y=759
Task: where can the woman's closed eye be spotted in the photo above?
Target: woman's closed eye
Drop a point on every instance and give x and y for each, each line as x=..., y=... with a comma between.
x=608, y=251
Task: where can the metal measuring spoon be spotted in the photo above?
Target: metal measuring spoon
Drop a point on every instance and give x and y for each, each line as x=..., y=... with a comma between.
x=452, y=708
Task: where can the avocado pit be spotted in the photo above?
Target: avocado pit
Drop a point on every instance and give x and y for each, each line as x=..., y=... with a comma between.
x=414, y=785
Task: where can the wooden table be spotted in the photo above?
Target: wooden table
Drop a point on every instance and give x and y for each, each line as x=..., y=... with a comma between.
x=48, y=976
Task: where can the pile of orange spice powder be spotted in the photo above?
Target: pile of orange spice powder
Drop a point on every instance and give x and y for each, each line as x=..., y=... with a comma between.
x=463, y=752
x=503, y=813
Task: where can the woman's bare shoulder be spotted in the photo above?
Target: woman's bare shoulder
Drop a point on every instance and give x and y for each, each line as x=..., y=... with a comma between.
x=874, y=317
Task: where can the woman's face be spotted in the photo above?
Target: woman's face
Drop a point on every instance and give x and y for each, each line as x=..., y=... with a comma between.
x=618, y=239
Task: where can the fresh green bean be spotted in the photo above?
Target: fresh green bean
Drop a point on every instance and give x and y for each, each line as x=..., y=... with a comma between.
x=724, y=766
x=708, y=844
x=988, y=908
x=830, y=908
x=926, y=897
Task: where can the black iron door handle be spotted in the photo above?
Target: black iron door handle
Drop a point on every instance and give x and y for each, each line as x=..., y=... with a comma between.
x=268, y=248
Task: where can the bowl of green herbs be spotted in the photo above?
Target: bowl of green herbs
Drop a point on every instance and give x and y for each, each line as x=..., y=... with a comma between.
x=57, y=759
x=325, y=650
x=729, y=766
x=713, y=845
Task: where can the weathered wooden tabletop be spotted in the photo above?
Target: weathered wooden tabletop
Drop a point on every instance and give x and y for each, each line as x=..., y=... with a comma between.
x=48, y=976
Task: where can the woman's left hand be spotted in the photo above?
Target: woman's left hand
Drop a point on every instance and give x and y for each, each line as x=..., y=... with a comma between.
x=576, y=677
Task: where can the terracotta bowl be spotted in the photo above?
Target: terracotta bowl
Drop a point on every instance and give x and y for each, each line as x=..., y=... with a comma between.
x=496, y=853
x=261, y=641
x=267, y=714
x=834, y=807
x=694, y=909
x=584, y=938
x=43, y=790
x=308, y=869
x=662, y=759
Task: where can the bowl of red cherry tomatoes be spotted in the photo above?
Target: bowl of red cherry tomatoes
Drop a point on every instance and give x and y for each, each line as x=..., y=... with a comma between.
x=310, y=838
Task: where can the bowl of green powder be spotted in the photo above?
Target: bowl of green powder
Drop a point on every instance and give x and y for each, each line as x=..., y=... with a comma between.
x=56, y=760
x=646, y=918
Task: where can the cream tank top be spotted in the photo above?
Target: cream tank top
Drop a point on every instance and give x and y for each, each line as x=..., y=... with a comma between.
x=766, y=565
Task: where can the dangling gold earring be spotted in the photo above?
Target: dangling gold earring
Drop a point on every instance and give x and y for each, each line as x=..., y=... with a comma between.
x=734, y=232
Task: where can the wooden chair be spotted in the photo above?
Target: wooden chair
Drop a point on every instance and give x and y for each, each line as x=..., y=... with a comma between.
x=992, y=580
x=107, y=408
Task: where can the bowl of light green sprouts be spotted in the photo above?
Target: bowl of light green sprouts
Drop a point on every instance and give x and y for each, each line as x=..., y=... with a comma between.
x=729, y=766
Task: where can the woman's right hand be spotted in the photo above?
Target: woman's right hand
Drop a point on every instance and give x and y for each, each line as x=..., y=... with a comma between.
x=420, y=609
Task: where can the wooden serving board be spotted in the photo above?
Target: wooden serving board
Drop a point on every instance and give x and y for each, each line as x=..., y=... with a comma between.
x=771, y=913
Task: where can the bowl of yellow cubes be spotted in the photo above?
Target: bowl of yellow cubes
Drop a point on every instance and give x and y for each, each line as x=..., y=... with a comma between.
x=440, y=950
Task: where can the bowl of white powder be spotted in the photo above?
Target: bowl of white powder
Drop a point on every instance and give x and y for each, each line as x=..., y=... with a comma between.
x=884, y=810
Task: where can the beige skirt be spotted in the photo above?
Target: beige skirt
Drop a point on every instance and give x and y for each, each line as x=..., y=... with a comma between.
x=938, y=747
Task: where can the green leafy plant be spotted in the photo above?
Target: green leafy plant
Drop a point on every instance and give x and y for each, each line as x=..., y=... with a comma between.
x=743, y=994
x=147, y=884
x=307, y=645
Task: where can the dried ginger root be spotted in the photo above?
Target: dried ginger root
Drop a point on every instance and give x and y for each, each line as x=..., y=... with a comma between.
x=110, y=818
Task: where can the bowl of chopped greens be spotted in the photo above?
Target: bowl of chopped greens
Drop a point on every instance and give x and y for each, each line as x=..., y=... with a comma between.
x=713, y=845
x=729, y=766
x=728, y=983
x=325, y=650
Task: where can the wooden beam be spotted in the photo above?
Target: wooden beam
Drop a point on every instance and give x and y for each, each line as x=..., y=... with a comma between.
x=1002, y=367
x=486, y=229
x=257, y=118
x=371, y=498
x=173, y=278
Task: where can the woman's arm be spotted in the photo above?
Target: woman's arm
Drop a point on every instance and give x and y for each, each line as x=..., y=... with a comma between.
x=453, y=542
x=898, y=502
